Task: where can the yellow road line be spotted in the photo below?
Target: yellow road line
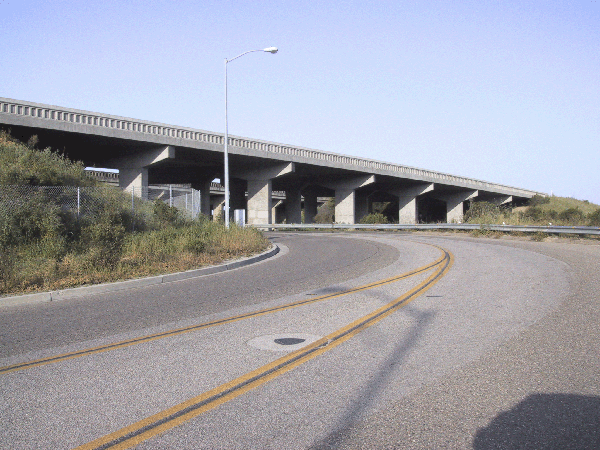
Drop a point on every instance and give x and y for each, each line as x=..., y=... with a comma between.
x=158, y=423
x=178, y=331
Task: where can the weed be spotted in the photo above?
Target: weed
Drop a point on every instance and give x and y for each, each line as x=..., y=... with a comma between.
x=539, y=236
x=374, y=218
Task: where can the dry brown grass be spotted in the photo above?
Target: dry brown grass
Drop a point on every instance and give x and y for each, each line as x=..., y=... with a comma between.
x=144, y=254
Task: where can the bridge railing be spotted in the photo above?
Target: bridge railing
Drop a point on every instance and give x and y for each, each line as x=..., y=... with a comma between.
x=21, y=108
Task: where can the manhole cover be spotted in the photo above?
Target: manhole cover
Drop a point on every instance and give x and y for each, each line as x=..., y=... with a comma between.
x=287, y=342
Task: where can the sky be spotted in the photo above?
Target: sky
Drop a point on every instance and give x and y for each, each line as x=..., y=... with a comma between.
x=502, y=91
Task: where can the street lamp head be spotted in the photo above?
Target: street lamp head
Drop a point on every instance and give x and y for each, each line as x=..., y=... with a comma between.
x=271, y=50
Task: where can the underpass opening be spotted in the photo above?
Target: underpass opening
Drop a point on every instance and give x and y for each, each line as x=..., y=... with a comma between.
x=381, y=202
x=431, y=210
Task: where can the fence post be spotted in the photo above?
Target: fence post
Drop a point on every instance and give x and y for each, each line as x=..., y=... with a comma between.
x=132, y=209
x=78, y=202
x=170, y=195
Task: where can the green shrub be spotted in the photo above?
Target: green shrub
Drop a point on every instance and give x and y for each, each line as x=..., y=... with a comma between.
x=28, y=219
x=103, y=240
x=22, y=164
x=538, y=200
x=165, y=214
x=482, y=212
x=44, y=245
x=572, y=216
x=594, y=218
x=533, y=213
x=8, y=259
x=374, y=218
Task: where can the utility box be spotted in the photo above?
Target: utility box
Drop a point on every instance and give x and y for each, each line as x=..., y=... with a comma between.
x=239, y=217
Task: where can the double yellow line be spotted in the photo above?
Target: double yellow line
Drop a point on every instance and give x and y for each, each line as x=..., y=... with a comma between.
x=158, y=423
x=178, y=331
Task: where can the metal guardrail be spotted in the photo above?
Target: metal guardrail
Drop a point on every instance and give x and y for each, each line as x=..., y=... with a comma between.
x=550, y=229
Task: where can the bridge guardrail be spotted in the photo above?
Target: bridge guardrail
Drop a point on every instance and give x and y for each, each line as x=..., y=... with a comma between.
x=550, y=229
x=60, y=114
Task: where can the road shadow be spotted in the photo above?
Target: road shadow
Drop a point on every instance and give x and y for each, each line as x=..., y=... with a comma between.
x=328, y=290
x=545, y=421
x=342, y=432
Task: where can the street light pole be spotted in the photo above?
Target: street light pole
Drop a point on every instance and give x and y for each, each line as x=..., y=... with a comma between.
x=272, y=50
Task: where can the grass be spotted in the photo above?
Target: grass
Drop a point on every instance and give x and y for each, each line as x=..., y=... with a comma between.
x=540, y=211
x=562, y=211
x=45, y=247
x=170, y=249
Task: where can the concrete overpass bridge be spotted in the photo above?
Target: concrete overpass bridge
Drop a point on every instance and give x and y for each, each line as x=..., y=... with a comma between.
x=149, y=152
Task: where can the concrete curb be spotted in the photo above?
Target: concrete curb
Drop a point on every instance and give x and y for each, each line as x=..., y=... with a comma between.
x=65, y=294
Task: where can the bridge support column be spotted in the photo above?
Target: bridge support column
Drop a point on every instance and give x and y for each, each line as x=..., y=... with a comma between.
x=455, y=208
x=237, y=196
x=133, y=168
x=136, y=179
x=344, y=205
x=259, y=191
x=293, y=205
x=259, y=202
x=276, y=211
x=361, y=202
x=205, y=199
x=204, y=187
x=408, y=212
x=345, y=197
x=218, y=205
x=310, y=205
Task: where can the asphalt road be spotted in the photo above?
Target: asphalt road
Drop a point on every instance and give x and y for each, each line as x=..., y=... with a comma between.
x=480, y=344
x=312, y=263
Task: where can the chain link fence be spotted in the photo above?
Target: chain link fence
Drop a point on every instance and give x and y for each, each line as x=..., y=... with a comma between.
x=87, y=201
x=185, y=199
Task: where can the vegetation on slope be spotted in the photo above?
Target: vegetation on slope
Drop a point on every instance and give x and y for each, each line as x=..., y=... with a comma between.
x=539, y=211
x=44, y=246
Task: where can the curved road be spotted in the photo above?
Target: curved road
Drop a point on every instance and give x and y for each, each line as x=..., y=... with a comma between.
x=344, y=341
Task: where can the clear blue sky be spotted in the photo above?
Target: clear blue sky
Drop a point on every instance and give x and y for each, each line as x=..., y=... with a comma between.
x=504, y=91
